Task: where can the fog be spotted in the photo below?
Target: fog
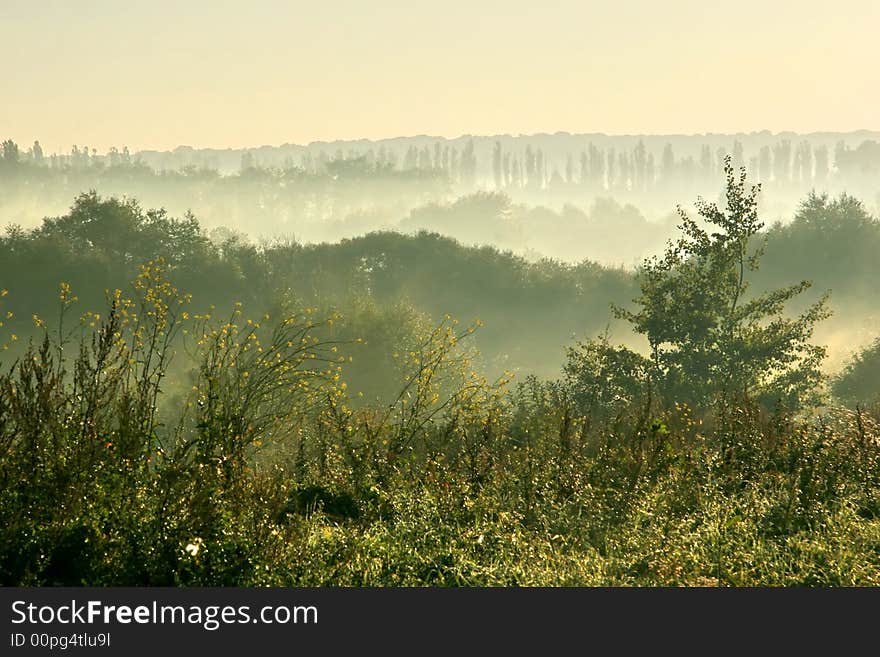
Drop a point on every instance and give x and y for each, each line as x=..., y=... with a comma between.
x=559, y=202
x=608, y=199
x=439, y=294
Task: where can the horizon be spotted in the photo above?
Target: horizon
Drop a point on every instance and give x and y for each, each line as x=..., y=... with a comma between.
x=435, y=137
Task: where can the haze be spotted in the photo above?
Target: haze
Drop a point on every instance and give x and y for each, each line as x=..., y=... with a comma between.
x=155, y=75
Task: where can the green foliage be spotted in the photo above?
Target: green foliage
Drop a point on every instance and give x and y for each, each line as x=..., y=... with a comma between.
x=709, y=338
x=824, y=233
x=605, y=379
x=860, y=379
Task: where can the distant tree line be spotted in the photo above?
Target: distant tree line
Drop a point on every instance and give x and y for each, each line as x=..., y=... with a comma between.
x=788, y=162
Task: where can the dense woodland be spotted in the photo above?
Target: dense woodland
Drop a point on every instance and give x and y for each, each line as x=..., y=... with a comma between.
x=181, y=405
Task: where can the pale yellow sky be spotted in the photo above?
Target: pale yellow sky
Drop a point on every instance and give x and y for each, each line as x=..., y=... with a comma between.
x=215, y=73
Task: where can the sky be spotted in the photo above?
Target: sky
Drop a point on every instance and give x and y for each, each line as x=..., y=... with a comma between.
x=214, y=73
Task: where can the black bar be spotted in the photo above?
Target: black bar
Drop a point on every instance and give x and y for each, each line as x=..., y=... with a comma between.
x=422, y=620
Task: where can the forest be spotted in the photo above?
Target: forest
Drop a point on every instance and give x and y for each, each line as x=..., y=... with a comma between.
x=442, y=365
